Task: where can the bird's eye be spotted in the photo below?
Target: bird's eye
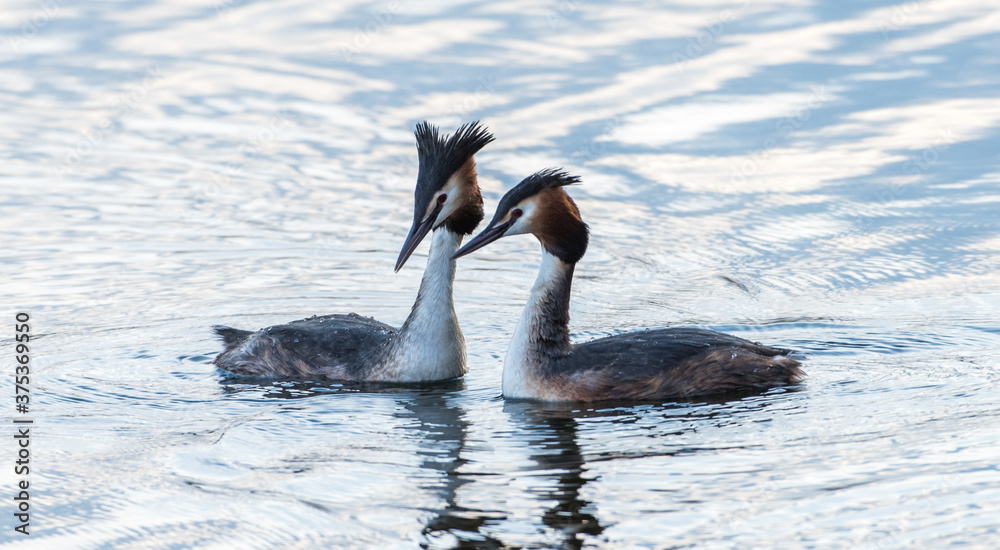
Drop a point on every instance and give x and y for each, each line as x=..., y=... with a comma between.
x=516, y=213
x=441, y=198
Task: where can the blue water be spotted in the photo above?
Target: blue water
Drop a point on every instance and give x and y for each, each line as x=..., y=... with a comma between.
x=821, y=176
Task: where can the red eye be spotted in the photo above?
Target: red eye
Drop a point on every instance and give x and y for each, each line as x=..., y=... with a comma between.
x=516, y=213
x=441, y=198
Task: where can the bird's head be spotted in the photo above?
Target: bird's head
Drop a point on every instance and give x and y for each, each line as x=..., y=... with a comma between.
x=538, y=205
x=447, y=193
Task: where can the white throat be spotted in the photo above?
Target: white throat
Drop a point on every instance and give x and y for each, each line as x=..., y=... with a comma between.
x=519, y=367
x=430, y=345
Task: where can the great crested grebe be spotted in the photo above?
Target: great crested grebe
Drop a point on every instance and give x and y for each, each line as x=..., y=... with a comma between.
x=649, y=364
x=430, y=345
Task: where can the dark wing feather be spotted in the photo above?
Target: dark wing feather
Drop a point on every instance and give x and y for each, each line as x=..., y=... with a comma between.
x=664, y=346
x=333, y=346
x=674, y=362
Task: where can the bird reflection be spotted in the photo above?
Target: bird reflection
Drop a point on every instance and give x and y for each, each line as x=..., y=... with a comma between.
x=554, y=429
x=442, y=433
x=434, y=415
x=299, y=389
x=445, y=430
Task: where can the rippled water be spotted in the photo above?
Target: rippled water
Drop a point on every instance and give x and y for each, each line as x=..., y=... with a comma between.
x=822, y=176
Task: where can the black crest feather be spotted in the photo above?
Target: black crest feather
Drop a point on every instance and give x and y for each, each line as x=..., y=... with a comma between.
x=532, y=185
x=440, y=157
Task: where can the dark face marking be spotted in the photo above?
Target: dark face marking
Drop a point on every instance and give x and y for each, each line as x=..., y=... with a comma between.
x=469, y=210
x=559, y=228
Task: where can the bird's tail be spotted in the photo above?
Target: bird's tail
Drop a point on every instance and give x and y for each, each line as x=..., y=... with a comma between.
x=231, y=337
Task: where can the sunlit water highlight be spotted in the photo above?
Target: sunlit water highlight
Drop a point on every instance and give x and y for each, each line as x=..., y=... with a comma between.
x=816, y=176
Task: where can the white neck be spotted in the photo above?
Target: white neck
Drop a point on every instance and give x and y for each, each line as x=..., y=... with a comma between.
x=542, y=330
x=430, y=345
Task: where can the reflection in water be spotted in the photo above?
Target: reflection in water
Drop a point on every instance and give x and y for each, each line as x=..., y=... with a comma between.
x=644, y=434
x=299, y=389
x=444, y=431
x=440, y=426
x=441, y=430
x=548, y=436
x=553, y=432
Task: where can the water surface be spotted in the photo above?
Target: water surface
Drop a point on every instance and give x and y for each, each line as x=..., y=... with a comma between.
x=816, y=176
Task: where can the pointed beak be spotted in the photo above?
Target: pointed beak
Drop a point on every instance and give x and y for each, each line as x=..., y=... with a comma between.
x=488, y=235
x=417, y=234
